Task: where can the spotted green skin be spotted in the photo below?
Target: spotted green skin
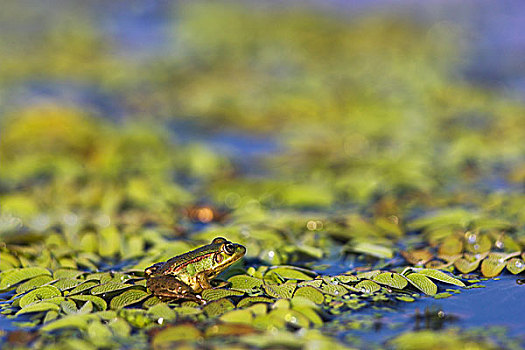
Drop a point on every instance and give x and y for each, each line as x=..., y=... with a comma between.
x=187, y=275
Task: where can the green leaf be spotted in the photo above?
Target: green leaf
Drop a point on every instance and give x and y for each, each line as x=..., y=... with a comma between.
x=347, y=278
x=253, y=300
x=110, y=287
x=67, y=283
x=33, y=283
x=466, y=265
x=162, y=311
x=38, y=307
x=215, y=294
x=391, y=279
x=245, y=282
x=288, y=272
x=218, y=307
x=367, y=286
x=97, y=301
x=441, y=276
x=515, y=266
x=12, y=277
x=334, y=289
x=375, y=250
x=127, y=298
x=243, y=316
x=284, y=291
x=45, y=292
x=422, y=283
x=310, y=293
x=71, y=321
x=492, y=265
x=84, y=287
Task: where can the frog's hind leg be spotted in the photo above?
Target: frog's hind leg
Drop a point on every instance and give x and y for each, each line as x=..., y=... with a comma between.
x=169, y=290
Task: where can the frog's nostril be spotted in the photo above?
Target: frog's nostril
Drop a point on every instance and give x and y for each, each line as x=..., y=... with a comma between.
x=241, y=249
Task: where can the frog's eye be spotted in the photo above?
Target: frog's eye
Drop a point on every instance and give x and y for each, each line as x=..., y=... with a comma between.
x=229, y=248
x=218, y=240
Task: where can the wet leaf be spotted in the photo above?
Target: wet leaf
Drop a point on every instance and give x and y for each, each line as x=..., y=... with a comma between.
x=38, y=307
x=515, y=266
x=417, y=257
x=245, y=282
x=422, y=283
x=492, y=265
x=174, y=334
x=346, y=278
x=214, y=294
x=291, y=273
x=42, y=293
x=243, y=316
x=162, y=311
x=110, y=287
x=83, y=287
x=466, y=265
x=390, y=279
x=334, y=289
x=441, y=276
x=367, y=286
x=310, y=293
x=97, y=301
x=218, y=307
x=67, y=283
x=71, y=321
x=33, y=283
x=127, y=298
x=11, y=277
x=247, y=301
x=68, y=307
x=451, y=246
x=375, y=250
x=284, y=291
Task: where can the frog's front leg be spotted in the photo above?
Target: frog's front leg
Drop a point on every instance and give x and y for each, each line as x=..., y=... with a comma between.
x=170, y=289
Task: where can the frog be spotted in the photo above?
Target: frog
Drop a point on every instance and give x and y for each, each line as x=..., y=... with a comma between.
x=185, y=276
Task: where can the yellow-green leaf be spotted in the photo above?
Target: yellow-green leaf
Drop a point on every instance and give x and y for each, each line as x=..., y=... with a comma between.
x=39, y=307
x=128, y=297
x=45, y=292
x=441, y=276
x=422, y=283
x=391, y=279
x=284, y=291
x=12, y=277
x=515, y=266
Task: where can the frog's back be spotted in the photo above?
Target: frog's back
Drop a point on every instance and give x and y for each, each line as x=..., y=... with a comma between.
x=192, y=262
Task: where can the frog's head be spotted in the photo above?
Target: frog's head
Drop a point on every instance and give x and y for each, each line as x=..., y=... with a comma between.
x=226, y=254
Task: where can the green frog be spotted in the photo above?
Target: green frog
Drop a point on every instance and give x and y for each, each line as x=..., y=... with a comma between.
x=185, y=276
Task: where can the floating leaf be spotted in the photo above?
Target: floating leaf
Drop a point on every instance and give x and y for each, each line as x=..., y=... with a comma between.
x=12, y=277
x=417, y=257
x=68, y=307
x=317, y=283
x=245, y=282
x=45, y=292
x=288, y=272
x=310, y=314
x=310, y=293
x=452, y=245
x=83, y=287
x=466, y=265
x=367, y=286
x=515, y=266
x=229, y=330
x=406, y=298
x=243, y=316
x=347, y=278
x=477, y=243
x=334, y=289
x=252, y=300
x=214, y=294
x=441, y=276
x=375, y=250
x=71, y=321
x=97, y=301
x=422, y=283
x=67, y=283
x=33, y=283
x=390, y=279
x=492, y=265
x=284, y=291
x=66, y=273
x=162, y=311
x=110, y=287
x=128, y=297
x=38, y=307
x=174, y=334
